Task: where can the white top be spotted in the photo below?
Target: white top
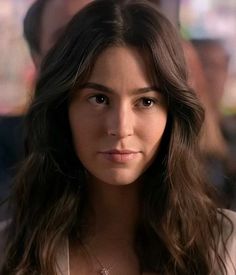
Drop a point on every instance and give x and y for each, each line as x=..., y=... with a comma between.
x=63, y=260
x=63, y=267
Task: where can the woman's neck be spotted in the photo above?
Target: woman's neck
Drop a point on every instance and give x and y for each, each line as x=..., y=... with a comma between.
x=109, y=238
x=115, y=211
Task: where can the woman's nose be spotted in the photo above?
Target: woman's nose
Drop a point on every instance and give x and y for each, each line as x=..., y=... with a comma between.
x=120, y=122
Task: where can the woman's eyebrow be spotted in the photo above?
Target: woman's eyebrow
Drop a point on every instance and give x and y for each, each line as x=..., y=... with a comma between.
x=96, y=86
x=147, y=89
x=102, y=88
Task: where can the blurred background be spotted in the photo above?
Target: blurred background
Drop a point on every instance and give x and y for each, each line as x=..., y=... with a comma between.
x=208, y=28
x=214, y=20
x=15, y=63
x=199, y=20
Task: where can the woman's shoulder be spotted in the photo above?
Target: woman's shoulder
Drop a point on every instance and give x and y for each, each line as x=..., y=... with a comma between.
x=229, y=238
x=231, y=214
x=62, y=255
x=229, y=226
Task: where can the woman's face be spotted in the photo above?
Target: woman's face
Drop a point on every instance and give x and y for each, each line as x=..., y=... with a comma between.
x=118, y=118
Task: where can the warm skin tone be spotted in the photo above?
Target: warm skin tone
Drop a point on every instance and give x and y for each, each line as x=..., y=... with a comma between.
x=117, y=121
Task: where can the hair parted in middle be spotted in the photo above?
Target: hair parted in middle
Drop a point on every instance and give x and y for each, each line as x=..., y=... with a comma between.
x=175, y=235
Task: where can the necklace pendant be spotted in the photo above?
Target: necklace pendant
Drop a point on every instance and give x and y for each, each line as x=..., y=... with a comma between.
x=104, y=271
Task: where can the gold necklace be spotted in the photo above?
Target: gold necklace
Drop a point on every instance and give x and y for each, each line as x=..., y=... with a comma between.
x=103, y=270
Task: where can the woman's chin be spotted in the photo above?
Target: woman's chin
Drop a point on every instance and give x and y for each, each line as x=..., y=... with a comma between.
x=116, y=179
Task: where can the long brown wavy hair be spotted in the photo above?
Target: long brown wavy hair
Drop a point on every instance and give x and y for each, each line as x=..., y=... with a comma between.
x=180, y=226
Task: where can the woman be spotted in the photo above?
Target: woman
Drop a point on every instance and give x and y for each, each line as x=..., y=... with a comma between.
x=111, y=183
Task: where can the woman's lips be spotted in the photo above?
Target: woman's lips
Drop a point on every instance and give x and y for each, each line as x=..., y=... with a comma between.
x=119, y=156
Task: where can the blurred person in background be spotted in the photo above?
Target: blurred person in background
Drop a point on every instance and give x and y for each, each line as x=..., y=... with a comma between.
x=215, y=148
x=213, y=145
x=215, y=60
x=41, y=31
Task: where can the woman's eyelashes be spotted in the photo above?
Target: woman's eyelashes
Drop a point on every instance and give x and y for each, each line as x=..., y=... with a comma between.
x=146, y=102
x=99, y=99
x=143, y=102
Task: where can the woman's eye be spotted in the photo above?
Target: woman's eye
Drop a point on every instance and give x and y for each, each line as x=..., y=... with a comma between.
x=98, y=100
x=146, y=102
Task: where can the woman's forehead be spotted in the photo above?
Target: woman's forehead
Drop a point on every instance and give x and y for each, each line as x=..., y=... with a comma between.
x=124, y=59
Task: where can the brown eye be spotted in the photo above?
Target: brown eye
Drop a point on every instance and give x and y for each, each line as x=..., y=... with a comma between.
x=146, y=102
x=99, y=99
